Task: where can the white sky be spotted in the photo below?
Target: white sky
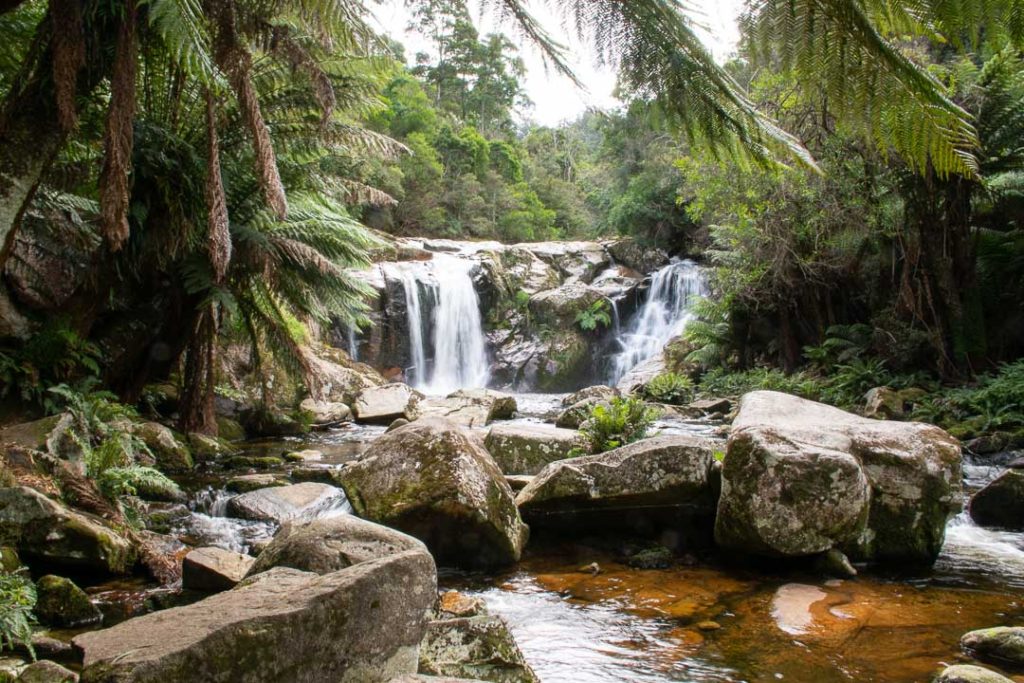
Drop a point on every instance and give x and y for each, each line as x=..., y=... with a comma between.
x=554, y=97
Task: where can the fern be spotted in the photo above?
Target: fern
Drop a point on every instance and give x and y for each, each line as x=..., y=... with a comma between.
x=17, y=599
x=621, y=421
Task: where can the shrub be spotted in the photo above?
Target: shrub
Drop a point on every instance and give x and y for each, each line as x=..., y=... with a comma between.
x=671, y=388
x=719, y=382
x=621, y=421
x=594, y=316
x=17, y=599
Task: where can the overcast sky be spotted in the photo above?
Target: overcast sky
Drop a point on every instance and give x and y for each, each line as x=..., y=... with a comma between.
x=555, y=98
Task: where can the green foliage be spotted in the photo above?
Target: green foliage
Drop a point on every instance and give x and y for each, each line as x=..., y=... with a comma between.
x=719, y=382
x=671, y=388
x=132, y=480
x=994, y=402
x=621, y=421
x=54, y=355
x=598, y=314
x=17, y=599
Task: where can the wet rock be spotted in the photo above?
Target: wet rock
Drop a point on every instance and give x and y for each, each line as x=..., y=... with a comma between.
x=710, y=406
x=474, y=647
x=387, y=403
x=578, y=413
x=45, y=671
x=283, y=503
x=208, y=448
x=657, y=557
x=358, y=625
x=527, y=449
x=326, y=413
x=648, y=487
x=639, y=257
x=968, y=673
x=253, y=462
x=251, y=482
x=431, y=481
x=456, y=604
x=561, y=363
x=883, y=403
x=834, y=563
x=214, y=569
x=634, y=380
x=308, y=455
x=1000, y=645
x=230, y=429
x=800, y=478
x=400, y=422
x=559, y=307
x=45, y=530
x=1001, y=502
x=170, y=453
x=599, y=391
x=62, y=604
x=328, y=545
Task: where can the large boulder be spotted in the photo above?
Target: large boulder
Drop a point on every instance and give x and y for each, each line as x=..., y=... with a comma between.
x=574, y=260
x=801, y=478
x=60, y=603
x=474, y=647
x=328, y=545
x=1001, y=502
x=386, y=403
x=307, y=500
x=471, y=407
x=665, y=484
x=637, y=256
x=49, y=532
x=527, y=449
x=560, y=306
x=1000, y=645
x=362, y=624
x=430, y=480
x=325, y=413
x=214, y=569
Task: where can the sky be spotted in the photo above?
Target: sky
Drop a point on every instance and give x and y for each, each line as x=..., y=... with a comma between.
x=555, y=98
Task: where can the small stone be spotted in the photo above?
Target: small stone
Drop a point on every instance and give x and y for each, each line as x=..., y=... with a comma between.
x=1002, y=644
x=834, y=563
x=708, y=625
x=592, y=568
x=458, y=605
x=968, y=673
x=398, y=422
x=308, y=455
x=62, y=604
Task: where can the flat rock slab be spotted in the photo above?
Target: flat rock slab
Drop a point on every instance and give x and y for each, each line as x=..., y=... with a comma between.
x=214, y=569
x=527, y=449
x=381, y=405
x=359, y=625
x=662, y=482
x=245, y=483
x=307, y=500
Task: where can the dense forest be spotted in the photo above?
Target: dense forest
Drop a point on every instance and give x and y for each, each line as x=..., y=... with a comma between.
x=241, y=239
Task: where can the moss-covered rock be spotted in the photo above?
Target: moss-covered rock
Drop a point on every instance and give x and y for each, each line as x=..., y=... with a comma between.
x=564, y=362
x=1001, y=644
x=45, y=671
x=253, y=482
x=62, y=604
x=800, y=478
x=58, y=537
x=968, y=673
x=230, y=429
x=207, y=448
x=9, y=560
x=1001, y=502
x=479, y=647
x=527, y=449
x=253, y=462
x=171, y=454
x=431, y=481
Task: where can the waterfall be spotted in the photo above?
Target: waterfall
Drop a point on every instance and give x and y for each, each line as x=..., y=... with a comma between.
x=353, y=345
x=460, y=355
x=664, y=315
x=442, y=305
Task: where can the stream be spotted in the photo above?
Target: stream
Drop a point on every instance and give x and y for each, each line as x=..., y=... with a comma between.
x=703, y=619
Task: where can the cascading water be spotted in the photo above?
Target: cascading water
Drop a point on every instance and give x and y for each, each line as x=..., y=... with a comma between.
x=442, y=305
x=664, y=315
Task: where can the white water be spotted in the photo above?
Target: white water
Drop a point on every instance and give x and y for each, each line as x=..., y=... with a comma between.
x=443, y=289
x=664, y=315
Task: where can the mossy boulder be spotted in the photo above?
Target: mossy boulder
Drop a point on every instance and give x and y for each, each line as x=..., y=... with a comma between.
x=480, y=647
x=45, y=671
x=207, y=448
x=362, y=624
x=1001, y=502
x=244, y=483
x=559, y=307
x=53, y=534
x=800, y=478
x=329, y=545
x=230, y=429
x=431, y=481
x=665, y=483
x=527, y=448
x=171, y=454
x=62, y=604
x=563, y=362
x=1000, y=645
x=9, y=560
x=253, y=462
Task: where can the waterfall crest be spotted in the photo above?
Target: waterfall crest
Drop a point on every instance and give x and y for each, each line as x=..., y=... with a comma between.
x=442, y=306
x=664, y=315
